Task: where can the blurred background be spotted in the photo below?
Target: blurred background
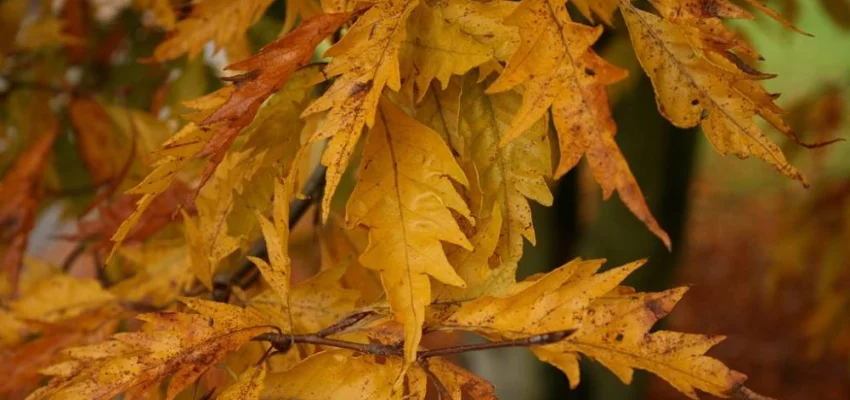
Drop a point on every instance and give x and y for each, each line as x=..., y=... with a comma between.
x=767, y=261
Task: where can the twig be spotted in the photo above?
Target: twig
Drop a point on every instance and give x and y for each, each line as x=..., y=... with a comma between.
x=283, y=342
x=344, y=323
x=535, y=340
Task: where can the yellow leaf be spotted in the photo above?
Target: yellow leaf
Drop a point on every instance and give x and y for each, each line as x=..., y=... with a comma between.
x=248, y=386
x=177, y=344
x=340, y=249
x=220, y=21
x=176, y=153
x=315, y=303
x=604, y=9
x=561, y=70
x=509, y=174
x=46, y=31
x=403, y=196
x=164, y=273
x=276, y=235
x=59, y=297
x=611, y=326
x=337, y=374
x=692, y=90
x=437, y=48
x=364, y=62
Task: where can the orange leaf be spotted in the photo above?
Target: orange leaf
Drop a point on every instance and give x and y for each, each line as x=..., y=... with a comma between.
x=21, y=191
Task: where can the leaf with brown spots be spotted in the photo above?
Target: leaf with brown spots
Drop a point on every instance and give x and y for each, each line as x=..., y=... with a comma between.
x=25, y=361
x=713, y=92
x=611, y=325
x=561, y=71
x=177, y=344
x=263, y=74
x=364, y=62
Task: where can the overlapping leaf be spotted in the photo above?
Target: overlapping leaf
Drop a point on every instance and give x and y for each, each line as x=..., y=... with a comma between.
x=364, y=62
x=561, y=71
x=178, y=344
x=611, y=325
x=692, y=89
x=453, y=37
x=220, y=21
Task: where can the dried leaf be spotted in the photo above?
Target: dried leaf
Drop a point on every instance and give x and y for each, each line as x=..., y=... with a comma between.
x=561, y=71
x=692, y=90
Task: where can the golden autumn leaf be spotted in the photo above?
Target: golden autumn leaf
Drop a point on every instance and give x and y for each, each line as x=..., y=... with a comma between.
x=508, y=174
x=220, y=21
x=604, y=9
x=437, y=48
x=561, y=71
x=178, y=344
x=175, y=154
x=248, y=386
x=364, y=62
x=404, y=196
x=693, y=90
x=278, y=272
x=59, y=297
x=611, y=325
x=312, y=305
x=345, y=376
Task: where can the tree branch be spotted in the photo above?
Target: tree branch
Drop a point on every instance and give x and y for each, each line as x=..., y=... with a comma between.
x=283, y=342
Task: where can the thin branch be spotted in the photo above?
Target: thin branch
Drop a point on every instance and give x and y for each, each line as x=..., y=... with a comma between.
x=535, y=340
x=344, y=323
x=283, y=342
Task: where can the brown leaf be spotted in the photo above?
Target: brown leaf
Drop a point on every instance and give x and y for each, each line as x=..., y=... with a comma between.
x=21, y=192
x=264, y=74
x=94, y=132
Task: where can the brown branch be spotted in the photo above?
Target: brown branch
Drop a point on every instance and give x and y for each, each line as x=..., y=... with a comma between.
x=283, y=342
